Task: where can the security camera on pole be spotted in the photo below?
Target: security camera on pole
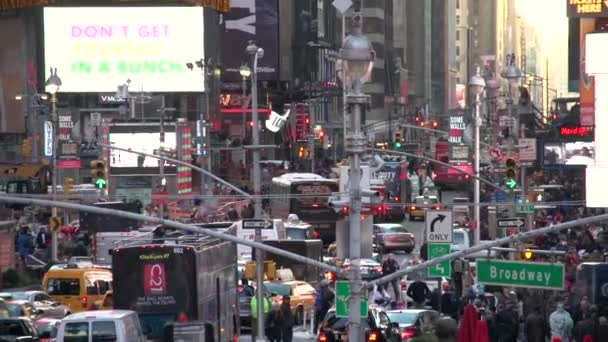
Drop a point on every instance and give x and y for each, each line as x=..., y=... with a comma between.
x=357, y=58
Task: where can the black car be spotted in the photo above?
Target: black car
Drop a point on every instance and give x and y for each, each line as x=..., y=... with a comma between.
x=376, y=326
x=414, y=322
x=13, y=328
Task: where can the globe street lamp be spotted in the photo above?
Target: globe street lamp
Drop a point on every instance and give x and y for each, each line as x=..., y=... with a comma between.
x=476, y=86
x=357, y=58
x=513, y=75
x=52, y=85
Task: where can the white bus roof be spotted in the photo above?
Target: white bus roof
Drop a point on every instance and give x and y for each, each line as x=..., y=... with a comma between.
x=289, y=178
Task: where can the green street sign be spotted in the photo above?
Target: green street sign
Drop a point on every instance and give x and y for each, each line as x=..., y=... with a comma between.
x=511, y=183
x=539, y=275
x=442, y=269
x=100, y=183
x=524, y=208
x=342, y=297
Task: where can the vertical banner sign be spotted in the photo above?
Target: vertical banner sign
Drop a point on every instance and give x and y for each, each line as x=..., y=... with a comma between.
x=586, y=82
x=184, y=174
x=48, y=138
x=302, y=122
x=65, y=127
x=457, y=127
x=256, y=20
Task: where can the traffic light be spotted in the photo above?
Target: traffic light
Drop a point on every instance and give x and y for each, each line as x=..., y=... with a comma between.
x=435, y=124
x=528, y=255
x=511, y=174
x=321, y=134
x=68, y=185
x=397, y=140
x=98, y=173
x=26, y=147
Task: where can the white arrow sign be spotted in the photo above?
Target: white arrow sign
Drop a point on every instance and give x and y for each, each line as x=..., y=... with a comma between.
x=276, y=121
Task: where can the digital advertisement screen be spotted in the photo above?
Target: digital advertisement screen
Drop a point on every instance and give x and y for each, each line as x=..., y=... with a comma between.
x=143, y=142
x=569, y=153
x=95, y=49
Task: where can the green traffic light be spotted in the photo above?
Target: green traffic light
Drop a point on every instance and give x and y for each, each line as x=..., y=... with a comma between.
x=100, y=183
x=511, y=183
x=398, y=144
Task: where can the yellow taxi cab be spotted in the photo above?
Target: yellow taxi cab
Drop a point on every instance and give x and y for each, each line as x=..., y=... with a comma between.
x=421, y=205
x=301, y=295
x=77, y=287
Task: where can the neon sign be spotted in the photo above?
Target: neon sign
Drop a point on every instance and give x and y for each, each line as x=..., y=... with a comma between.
x=580, y=131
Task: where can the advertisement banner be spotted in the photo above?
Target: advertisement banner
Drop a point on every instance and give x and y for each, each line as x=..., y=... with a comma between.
x=457, y=127
x=95, y=49
x=255, y=20
x=586, y=82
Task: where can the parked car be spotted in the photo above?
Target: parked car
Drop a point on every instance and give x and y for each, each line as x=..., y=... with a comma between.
x=393, y=236
x=370, y=268
x=102, y=325
x=302, y=296
x=421, y=204
x=13, y=328
x=40, y=300
x=414, y=322
x=376, y=326
x=47, y=329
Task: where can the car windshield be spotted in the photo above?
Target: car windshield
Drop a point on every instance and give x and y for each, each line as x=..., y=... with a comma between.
x=279, y=289
x=20, y=296
x=47, y=330
x=393, y=229
x=296, y=233
x=63, y=287
x=458, y=238
x=403, y=317
x=15, y=310
x=11, y=328
x=426, y=201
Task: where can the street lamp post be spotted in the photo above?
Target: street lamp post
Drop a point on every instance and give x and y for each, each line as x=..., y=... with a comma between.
x=477, y=85
x=52, y=87
x=512, y=74
x=255, y=53
x=357, y=59
x=245, y=72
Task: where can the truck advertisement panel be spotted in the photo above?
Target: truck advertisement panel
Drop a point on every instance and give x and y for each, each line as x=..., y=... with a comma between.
x=155, y=279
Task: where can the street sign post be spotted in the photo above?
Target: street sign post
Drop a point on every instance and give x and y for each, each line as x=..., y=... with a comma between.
x=342, y=296
x=527, y=150
x=539, y=275
x=443, y=269
x=257, y=224
x=515, y=222
x=524, y=208
x=439, y=226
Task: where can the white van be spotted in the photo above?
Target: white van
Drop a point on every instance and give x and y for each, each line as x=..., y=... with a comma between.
x=103, y=325
x=277, y=232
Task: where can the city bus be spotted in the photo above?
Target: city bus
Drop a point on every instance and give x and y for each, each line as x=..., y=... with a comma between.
x=306, y=195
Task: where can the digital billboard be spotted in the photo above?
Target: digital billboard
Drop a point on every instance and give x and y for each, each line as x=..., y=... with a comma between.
x=569, y=153
x=95, y=49
x=143, y=142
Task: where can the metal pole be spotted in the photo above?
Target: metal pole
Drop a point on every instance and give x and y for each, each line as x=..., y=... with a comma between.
x=476, y=209
x=55, y=124
x=162, y=148
x=182, y=226
x=257, y=180
x=311, y=136
x=207, y=132
x=357, y=146
x=344, y=92
x=182, y=163
x=244, y=105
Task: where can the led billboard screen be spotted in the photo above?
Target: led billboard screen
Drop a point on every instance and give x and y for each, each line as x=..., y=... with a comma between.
x=95, y=49
x=142, y=142
x=569, y=153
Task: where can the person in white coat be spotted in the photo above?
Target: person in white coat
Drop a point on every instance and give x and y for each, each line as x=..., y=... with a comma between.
x=561, y=323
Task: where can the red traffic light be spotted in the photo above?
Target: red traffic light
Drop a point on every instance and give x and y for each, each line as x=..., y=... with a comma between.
x=435, y=124
x=250, y=123
x=321, y=134
x=307, y=121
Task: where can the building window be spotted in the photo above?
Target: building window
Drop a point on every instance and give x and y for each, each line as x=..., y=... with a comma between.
x=457, y=20
x=457, y=4
x=457, y=35
x=457, y=51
